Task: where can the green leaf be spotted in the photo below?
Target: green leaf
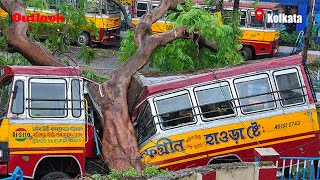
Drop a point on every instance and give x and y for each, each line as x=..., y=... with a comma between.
x=180, y=7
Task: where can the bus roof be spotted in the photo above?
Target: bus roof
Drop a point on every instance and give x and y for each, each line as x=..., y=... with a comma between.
x=39, y=70
x=181, y=81
x=247, y=4
x=146, y=84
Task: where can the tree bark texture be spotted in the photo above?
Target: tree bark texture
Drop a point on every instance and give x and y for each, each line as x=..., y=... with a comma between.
x=236, y=4
x=307, y=35
x=119, y=143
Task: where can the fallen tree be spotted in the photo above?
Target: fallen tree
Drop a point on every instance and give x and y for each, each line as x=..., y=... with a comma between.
x=120, y=148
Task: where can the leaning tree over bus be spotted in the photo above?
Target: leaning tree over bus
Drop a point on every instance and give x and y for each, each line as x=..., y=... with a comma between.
x=212, y=44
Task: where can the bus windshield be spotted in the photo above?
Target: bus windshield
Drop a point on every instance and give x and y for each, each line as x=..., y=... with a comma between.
x=48, y=103
x=255, y=22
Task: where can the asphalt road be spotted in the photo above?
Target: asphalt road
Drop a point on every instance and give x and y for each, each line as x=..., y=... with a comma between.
x=104, y=62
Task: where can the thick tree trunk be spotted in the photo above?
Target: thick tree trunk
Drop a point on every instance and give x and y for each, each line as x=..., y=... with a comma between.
x=119, y=139
x=120, y=148
x=18, y=41
x=219, y=4
x=236, y=5
x=307, y=35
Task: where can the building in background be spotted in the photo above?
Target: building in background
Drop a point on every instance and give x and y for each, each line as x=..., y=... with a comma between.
x=300, y=7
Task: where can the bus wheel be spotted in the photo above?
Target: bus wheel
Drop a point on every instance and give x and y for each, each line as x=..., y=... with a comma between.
x=55, y=175
x=246, y=52
x=83, y=39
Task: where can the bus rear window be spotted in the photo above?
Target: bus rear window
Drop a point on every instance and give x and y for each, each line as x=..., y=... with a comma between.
x=175, y=110
x=214, y=101
x=290, y=90
x=255, y=94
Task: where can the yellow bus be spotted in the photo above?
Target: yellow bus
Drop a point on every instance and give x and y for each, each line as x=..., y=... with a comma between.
x=46, y=127
x=104, y=15
x=259, y=37
x=221, y=116
x=146, y=6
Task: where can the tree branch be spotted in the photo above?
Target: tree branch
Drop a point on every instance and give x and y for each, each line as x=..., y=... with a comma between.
x=167, y=37
x=125, y=14
x=143, y=29
x=159, y=11
x=18, y=41
x=143, y=54
x=212, y=46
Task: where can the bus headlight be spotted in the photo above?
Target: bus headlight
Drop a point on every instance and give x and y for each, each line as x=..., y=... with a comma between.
x=1, y=153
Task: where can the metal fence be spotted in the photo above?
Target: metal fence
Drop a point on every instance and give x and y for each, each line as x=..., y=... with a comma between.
x=16, y=175
x=300, y=168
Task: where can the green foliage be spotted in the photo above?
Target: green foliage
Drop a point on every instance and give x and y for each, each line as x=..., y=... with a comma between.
x=183, y=54
x=313, y=68
x=97, y=177
x=3, y=43
x=127, y=47
x=4, y=23
x=58, y=35
x=314, y=45
x=86, y=54
x=13, y=59
x=93, y=76
x=119, y=174
x=150, y=171
x=172, y=57
x=287, y=39
x=255, y=4
x=10, y=59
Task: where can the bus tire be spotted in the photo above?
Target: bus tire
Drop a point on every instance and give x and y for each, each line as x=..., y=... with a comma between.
x=55, y=175
x=246, y=52
x=83, y=39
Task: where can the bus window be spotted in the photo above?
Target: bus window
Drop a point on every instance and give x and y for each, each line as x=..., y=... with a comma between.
x=209, y=9
x=243, y=18
x=48, y=98
x=255, y=93
x=290, y=90
x=268, y=25
x=175, y=110
x=154, y=6
x=214, y=100
x=75, y=98
x=255, y=22
x=145, y=126
x=18, y=98
x=142, y=8
x=227, y=16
